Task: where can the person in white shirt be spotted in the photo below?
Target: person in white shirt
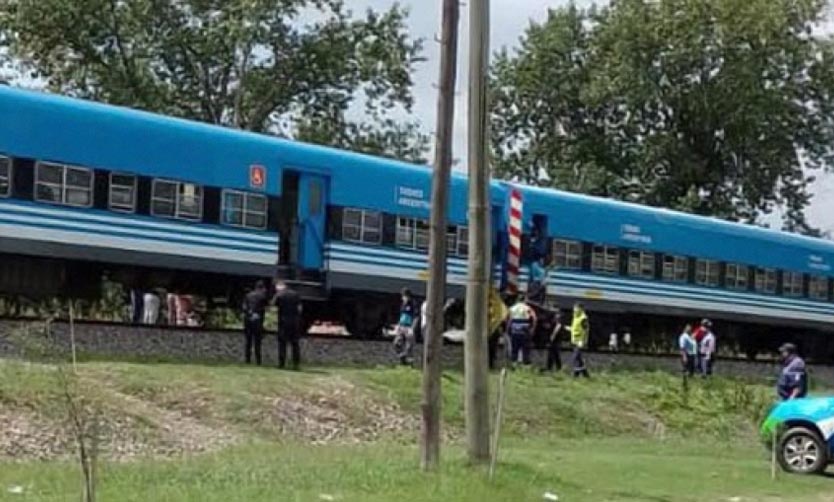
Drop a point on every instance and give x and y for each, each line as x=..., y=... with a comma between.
x=689, y=351
x=150, y=308
x=707, y=350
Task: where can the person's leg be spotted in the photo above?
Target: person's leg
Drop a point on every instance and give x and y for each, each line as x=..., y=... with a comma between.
x=408, y=351
x=282, y=348
x=295, y=346
x=515, y=348
x=247, y=332
x=526, y=342
x=258, y=338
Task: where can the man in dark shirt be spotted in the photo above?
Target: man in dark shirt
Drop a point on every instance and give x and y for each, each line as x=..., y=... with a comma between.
x=289, y=324
x=254, y=308
x=793, y=378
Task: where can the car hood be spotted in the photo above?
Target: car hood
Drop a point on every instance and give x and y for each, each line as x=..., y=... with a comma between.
x=816, y=410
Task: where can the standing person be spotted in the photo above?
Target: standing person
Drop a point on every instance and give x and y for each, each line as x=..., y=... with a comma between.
x=404, y=333
x=580, y=330
x=171, y=303
x=613, y=342
x=689, y=351
x=554, y=359
x=698, y=335
x=135, y=306
x=150, y=308
x=254, y=310
x=793, y=377
x=520, y=328
x=707, y=350
x=289, y=323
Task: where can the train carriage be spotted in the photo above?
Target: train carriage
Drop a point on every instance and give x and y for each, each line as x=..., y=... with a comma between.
x=155, y=201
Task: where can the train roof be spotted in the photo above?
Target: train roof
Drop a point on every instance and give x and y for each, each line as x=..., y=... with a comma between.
x=617, y=223
x=117, y=138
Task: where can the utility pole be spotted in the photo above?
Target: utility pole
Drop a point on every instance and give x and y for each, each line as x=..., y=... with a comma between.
x=436, y=290
x=477, y=286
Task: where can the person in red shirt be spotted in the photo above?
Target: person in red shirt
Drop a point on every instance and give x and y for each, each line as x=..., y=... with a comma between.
x=701, y=331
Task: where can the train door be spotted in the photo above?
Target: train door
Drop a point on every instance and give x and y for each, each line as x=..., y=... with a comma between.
x=287, y=220
x=312, y=195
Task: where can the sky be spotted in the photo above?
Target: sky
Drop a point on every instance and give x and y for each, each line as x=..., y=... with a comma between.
x=508, y=20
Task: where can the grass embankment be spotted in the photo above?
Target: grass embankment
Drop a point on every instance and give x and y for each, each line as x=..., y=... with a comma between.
x=226, y=433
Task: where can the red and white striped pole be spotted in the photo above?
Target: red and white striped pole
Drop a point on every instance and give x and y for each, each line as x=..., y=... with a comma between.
x=514, y=251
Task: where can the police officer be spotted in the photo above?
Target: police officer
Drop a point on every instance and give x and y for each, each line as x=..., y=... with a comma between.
x=254, y=307
x=520, y=328
x=554, y=359
x=579, y=332
x=289, y=323
x=793, y=377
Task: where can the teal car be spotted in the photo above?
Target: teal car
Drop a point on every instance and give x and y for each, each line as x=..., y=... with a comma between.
x=804, y=431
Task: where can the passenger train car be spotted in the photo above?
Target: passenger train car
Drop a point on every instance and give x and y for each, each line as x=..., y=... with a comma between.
x=87, y=188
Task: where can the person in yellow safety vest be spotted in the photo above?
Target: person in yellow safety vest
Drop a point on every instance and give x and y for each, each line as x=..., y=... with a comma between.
x=579, y=331
x=520, y=328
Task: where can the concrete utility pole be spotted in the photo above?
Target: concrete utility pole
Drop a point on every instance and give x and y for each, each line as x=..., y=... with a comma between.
x=436, y=291
x=480, y=245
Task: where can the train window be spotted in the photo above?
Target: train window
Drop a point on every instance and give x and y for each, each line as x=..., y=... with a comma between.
x=363, y=226
x=737, y=276
x=122, y=192
x=675, y=268
x=605, y=259
x=818, y=288
x=412, y=233
x=641, y=264
x=5, y=176
x=792, y=284
x=567, y=254
x=462, y=248
x=173, y=199
x=60, y=184
x=243, y=209
x=765, y=280
x=707, y=273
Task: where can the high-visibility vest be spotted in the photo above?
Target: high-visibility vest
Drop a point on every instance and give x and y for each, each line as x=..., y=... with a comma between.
x=578, y=329
x=497, y=311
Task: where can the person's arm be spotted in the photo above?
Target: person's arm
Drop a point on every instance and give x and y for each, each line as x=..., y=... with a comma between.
x=555, y=331
x=534, y=320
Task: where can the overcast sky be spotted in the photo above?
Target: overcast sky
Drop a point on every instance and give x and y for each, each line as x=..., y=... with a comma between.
x=509, y=18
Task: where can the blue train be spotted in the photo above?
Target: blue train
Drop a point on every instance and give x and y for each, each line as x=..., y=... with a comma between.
x=154, y=201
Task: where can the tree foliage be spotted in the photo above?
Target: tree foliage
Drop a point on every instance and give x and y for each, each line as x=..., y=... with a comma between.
x=720, y=107
x=282, y=66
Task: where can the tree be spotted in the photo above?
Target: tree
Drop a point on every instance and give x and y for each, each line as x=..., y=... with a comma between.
x=278, y=66
x=719, y=107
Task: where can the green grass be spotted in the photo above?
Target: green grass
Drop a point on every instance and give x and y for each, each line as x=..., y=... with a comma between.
x=612, y=469
x=631, y=436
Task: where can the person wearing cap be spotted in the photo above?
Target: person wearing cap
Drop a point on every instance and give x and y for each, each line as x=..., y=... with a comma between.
x=793, y=377
x=707, y=349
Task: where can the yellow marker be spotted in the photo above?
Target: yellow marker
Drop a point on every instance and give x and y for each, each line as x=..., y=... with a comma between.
x=593, y=294
x=423, y=275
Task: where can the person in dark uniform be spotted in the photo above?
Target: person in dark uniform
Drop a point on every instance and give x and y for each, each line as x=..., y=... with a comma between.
x=254, y=309
x=554, y=359
x=289, y=323
x=404, y=332
x=793, y=377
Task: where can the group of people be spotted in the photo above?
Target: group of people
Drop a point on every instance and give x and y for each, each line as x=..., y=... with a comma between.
x=697, y=346
x=289, y=307
x=697, y=349
x=146, y=308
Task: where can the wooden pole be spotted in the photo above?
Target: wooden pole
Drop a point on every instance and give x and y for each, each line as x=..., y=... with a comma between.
x=496, y=437
x=436, y=289
x=477, y=287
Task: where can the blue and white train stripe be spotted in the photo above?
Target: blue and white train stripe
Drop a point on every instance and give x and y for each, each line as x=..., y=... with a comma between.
x=408, y=265
x=29, y=222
